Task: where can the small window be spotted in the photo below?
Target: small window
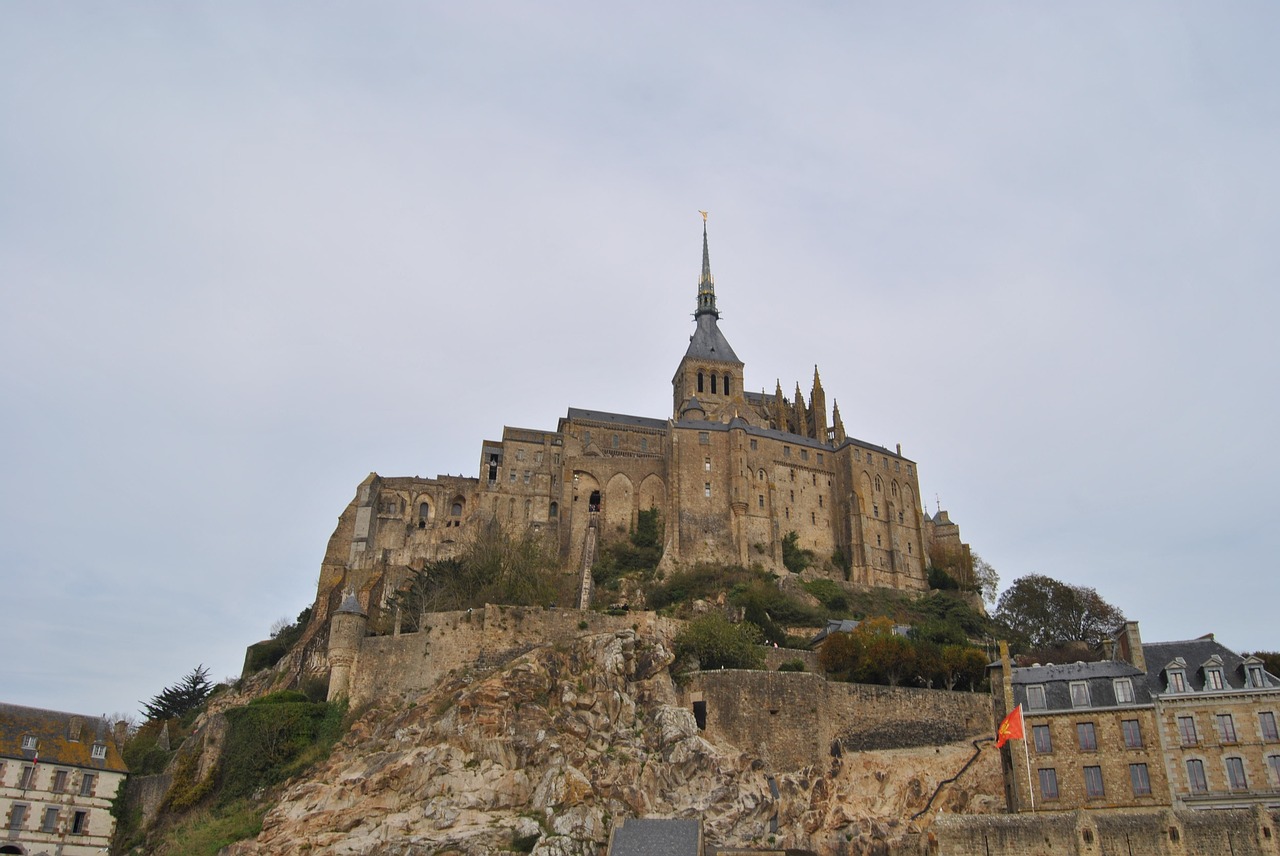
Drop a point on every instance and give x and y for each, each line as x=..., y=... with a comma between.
x=527, y=476
x=1267, y=725
x=519, y=454
x=59, y=781
x=50, y=822
x=1049, y=784
x=1035, y=697
x=586, y=438
x=704, y=438
x=706, y=464
x=804, y=454
x=1273, y=764
x=793, y=495
x=86, y=784
x=1043, y=741
x=455, y=510
x=760, y=475
x=900, y=520
x=726, y=384
x=699, y=381
x=1124, y=690
x=1213, y=679
x=513, y=477
x=814, y=478
x=876, y=509
x=868, y=457
x=1226, y=728
x=644, y=444
x=1187, y=731
x=713, y=385
x=761, y=498
x=897, y=466
x=813, y=517
x=1088, y=737
x=1079, y=694
x=819, y=457
x=17, y=815
x=786, y=451
x=1140, y=780
x=820, y=500
x=1195, y=776
x=614, y=441
x=1177, y=682
x=793, y=475
x=753, y=444
x=1255, y=677
x=706, y=489
x=80, y=823
x=27, y=779
x=29, y=742
x=1132, y=733
x=1093, y=782
x=1235, y=775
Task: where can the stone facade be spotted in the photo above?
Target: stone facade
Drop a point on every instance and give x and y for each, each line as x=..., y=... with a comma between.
x=59, y=773
x=732, y=473
x=1181, y=724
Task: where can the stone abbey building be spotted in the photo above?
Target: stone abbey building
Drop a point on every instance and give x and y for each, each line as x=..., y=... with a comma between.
x=731, y=472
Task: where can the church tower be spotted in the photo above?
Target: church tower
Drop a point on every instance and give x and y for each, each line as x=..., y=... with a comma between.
x=710, y=371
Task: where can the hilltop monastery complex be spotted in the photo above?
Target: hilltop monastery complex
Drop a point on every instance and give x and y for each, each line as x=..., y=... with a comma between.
x=731, y=472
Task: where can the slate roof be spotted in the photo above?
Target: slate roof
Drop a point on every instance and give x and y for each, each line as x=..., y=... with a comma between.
x=578, y=414
x=1196, y=652
x=656, y=837
x=848, y=625
x=1057, y=680
x=708, y=343
x=52, y=730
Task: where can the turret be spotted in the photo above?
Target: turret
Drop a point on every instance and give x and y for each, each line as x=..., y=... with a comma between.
x=346, y=631
x=801, y=415
x=818, y=407
x=838, y=424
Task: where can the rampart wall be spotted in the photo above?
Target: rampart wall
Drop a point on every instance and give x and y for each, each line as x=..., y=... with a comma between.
x=793, y=719
x=1140, y=832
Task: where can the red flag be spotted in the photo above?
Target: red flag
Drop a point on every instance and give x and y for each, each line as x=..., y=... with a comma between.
x=1010, y=728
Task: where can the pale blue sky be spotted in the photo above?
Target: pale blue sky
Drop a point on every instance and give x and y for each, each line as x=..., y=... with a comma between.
x=250, y=252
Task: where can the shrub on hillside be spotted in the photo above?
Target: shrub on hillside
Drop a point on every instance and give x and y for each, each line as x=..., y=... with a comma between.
x=717, y=643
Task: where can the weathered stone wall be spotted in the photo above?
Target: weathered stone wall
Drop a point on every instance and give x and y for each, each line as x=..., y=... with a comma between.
x=793, y=719
x=147, y=792
x=1140, y=832
x=476, y=640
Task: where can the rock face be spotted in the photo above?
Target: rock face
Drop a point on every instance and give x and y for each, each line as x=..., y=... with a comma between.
x=549, y=749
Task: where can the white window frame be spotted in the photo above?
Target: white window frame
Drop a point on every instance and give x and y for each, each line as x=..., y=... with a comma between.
x=1083, y=688
x=1036, y=699
x=1123, y=690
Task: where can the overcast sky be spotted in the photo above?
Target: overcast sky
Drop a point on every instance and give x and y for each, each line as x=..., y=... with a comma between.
x=250, y=252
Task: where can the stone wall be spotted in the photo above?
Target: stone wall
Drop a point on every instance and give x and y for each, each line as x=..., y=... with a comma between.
x=1140, y=832
x=792, y=719
x=477, y=640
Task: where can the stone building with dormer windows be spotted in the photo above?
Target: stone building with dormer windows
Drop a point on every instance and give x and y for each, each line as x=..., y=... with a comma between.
x=731, y=472
x=59, y=773
x=1186, y=724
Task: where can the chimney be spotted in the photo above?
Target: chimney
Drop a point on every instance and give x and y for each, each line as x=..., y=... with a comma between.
x=1130, y=643
x=73, y=729
x=1108, y=649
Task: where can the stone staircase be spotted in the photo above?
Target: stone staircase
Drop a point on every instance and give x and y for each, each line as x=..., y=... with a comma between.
x=588, y=559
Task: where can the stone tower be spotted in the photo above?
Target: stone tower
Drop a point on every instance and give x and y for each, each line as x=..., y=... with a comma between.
x=710, y=370
x=346, y=630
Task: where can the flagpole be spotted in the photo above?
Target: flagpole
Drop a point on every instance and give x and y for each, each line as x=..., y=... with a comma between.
x=1027, y=753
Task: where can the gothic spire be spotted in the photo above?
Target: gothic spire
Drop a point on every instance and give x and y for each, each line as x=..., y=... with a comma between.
x=706, y=285
x=838, y=423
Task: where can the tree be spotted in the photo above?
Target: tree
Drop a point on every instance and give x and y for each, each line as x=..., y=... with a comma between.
x=985, y=578
x=962, y=664
x=180, y=699
x=1039, y=611
x=794, y=557
x=717, y=643
x=887, y=657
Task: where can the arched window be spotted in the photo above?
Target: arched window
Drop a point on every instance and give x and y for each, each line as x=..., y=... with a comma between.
x=895, y=489
x=699, y=381
x=456, y=509
x=879, y=485
x=713, y=384
x=760, y=475
x=726, y=384
x=554, y=511
x=424, y=510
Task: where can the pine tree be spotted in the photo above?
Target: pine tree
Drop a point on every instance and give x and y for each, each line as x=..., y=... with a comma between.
x=180, y=699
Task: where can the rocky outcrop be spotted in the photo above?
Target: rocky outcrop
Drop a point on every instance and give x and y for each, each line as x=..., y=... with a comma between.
x=563, y=740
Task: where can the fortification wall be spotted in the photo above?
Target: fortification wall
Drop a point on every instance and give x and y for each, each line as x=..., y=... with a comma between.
x=793, y=719
x=1140, y=832
x=475, y=640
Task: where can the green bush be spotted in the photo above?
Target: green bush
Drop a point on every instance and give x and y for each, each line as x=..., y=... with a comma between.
x=717, y=643
x=829, y=594
x=282, y=697
x=794, y=557
x=267, y=743
x=791, y=666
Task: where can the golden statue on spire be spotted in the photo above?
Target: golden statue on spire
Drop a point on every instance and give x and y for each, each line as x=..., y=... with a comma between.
x=704, y=215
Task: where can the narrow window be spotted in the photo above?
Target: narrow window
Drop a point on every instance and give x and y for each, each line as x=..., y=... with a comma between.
x=586, y=438
x=644, y=444
x=713, y=384
x=900, y=520
x=17, y=815
x=1187, y=731
x=726, y=384
x=793, y=475
x=554, y=511
x=59, y=781
x=706, y=464
x=760, y=475
x=1226, y=728
x=813, y=517
x=1049, y=784
x=897, y=466
x=50, y=820
x=528, y=505
x=1267, y=724
x=27, y=779
x=1043, y=741
x=86, y=784
x=1140, y=780
x=80, y=823
x=1093, y=782
x=455, y=510
x=1235, y=775
x=1124, y=690
x=786, y=453
x=814, y=478
x=704, y=438
x=1132, y=733
x=1213, y=679
x=753, y=445
x=614, y=441
x=1079, y=694
x=527, y=475
x=1255, y=677
x=819, y=457
x=1195, y=776
x=762, y=500
x=819, y=500
x=513, y=477
x=1177, y=682
x=700, y=714
x=804, y=454
x=868, y=457
x=1088, y=737
x=1273, y=764
x=876, y=509
x=793, y=496
x=699, y=381
x=706, y=489
x=878, y=541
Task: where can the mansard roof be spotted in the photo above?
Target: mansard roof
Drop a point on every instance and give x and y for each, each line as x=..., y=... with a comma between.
x=1195, y=653
x=1058, y=678
x=53, y=732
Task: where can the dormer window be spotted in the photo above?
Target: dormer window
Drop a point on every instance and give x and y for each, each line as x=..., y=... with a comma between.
x=1035, y=697
x=1175, y=676
x=99, y=751
x=1079, y=693
x=29, y=742
x=1255, y=677
x=1124, y=690
x=1213, y=679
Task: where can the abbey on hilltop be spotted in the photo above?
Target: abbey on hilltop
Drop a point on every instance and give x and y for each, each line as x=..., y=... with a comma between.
x=731, y=472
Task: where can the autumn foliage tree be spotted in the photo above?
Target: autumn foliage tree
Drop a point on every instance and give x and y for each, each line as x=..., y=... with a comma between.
x=1041, y=612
